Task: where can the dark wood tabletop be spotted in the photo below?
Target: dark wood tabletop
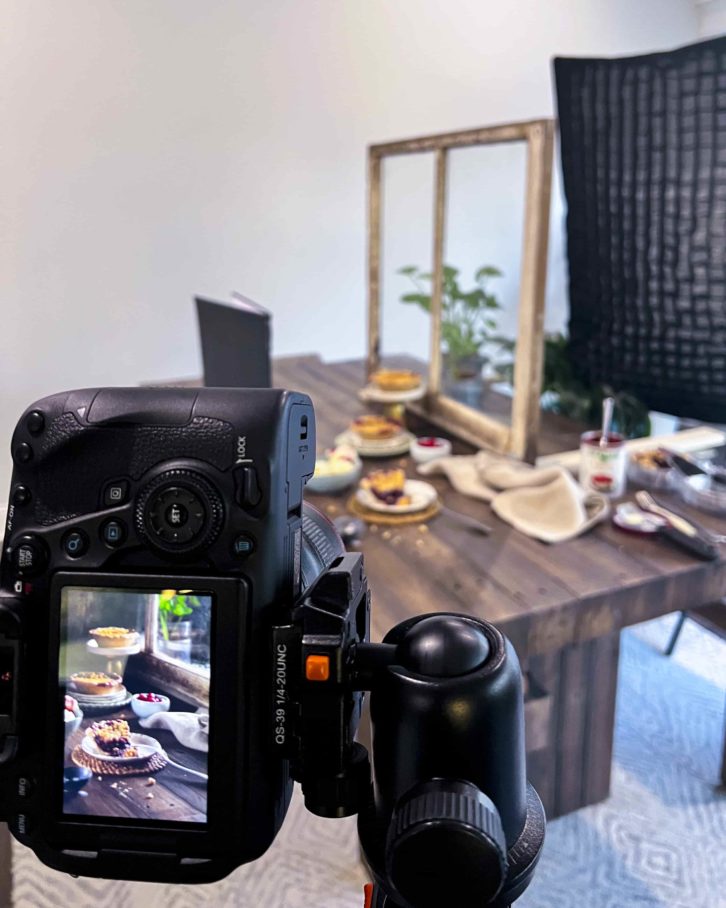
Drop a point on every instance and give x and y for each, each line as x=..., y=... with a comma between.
x=173, y=795
x=543, y=596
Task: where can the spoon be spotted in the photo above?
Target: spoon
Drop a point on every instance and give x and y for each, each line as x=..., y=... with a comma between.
x=607, y=420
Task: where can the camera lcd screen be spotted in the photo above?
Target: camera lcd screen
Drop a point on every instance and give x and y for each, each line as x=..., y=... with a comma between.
x=134, y=672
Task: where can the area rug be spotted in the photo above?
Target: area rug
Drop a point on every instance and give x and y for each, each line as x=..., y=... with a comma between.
x=659, y=840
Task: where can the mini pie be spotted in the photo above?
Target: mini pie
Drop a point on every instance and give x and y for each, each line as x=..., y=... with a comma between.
x=387, y=486
x=375, y=427
x=396, y=379
x=113, y=737
x=95, y=683
x=114, y=636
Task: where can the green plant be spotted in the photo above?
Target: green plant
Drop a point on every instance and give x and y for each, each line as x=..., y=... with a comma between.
x=468, y=322
x=175, y=607
x=566, y=394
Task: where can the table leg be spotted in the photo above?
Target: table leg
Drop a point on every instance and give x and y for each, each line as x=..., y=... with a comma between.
x=571, y=767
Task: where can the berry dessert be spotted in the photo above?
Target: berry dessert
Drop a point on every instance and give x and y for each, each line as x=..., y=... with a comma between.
x=114, y=637
x=150, y=698
x=387, y=486
x=396, y=379
x=374, y=427
x=95, y=683
x=113, y=737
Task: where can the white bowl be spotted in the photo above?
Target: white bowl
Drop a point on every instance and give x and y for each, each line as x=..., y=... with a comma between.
x=73, y=724
x=424, y=453
x=336, y=482
x=144, y=708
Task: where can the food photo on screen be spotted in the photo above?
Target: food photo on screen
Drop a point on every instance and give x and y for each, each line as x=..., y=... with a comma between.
x=134, y=671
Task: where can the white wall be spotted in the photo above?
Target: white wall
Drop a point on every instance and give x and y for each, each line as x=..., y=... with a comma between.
x=152, y=149
x=711, y=18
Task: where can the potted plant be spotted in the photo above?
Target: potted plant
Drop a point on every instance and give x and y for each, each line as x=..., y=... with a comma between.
x=468, y=327
x=175, y=611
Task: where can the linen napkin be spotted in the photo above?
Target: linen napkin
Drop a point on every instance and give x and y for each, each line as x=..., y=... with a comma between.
x=190, y=729
x=545, y=503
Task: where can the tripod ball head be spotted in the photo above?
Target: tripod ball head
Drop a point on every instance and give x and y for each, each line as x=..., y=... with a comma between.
x=452, y=820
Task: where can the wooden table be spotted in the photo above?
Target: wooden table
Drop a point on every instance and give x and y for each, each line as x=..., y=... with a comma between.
x=174, y=796
x=562, y=606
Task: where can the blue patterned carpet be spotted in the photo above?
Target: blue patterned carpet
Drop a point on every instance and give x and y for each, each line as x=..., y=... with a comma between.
x=659, y=840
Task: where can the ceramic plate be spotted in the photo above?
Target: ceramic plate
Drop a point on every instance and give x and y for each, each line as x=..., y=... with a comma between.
x=386, y=447
x=421, y=493
x=144, y=744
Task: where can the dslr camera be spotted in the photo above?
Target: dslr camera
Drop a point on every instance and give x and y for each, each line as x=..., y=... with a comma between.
x=182, y=637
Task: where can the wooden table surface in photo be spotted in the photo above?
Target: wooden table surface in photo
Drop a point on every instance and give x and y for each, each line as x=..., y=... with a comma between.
x=173, y=796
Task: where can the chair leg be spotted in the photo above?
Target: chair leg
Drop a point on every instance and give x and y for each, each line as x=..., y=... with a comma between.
x=676, y=631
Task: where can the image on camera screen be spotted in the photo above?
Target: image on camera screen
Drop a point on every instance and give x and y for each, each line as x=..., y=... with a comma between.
x=134, y=671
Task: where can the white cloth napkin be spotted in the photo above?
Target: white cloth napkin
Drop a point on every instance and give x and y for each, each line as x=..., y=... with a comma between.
x=190, y=729
x=545, y=503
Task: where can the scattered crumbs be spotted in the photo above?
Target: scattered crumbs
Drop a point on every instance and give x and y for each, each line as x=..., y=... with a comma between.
x=331, y=508
x=100, y=778
x=423, y=528
x=114, y=784
x=82, y=794
x=386, y=534
x=149, y=796
x=374, y=528
x=151, y=781
x=396, y=540
x=419, y=542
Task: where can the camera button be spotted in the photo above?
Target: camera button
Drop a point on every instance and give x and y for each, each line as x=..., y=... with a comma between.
x=243, y=545
x=28, y=556
x=75, y=544
x=22, y=824
x=35, y=422
x=113, y=533
x=317, y=667
x=247, y=487
x=23, y=453
x=21, y=495
x=26, y=787
x=115, y=493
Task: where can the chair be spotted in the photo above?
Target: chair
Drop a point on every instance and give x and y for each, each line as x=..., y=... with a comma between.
x=644, y=166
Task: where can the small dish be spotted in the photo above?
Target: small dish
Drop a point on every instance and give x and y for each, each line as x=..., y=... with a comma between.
x=338, y=469
x=429, y=448
x=72, y=716
x=75, y=778
x=421, y=495
x=650, y=469
x=145, y=708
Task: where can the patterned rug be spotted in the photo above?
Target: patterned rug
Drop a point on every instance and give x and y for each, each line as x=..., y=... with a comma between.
x=659, y=840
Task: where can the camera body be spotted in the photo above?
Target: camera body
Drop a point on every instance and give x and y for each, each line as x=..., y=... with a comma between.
x=146, y=507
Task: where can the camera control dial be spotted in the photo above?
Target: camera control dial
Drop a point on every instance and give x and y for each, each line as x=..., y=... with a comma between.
x=178, y=512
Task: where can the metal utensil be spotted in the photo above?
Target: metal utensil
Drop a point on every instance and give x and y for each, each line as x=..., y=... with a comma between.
x=682, y=524
x=192, y=772
x=608, y=406
x=632, y=519
x=464, y=519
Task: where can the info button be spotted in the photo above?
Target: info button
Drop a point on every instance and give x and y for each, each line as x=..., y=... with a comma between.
x=243, y=545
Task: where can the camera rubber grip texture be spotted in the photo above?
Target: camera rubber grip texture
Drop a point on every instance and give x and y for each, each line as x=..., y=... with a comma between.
x=446, y=845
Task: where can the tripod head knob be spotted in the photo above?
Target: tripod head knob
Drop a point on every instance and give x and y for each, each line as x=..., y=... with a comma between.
x=446, y=846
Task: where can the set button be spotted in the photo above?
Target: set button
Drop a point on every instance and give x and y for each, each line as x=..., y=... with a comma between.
x=75, y=543
x=113, y=533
